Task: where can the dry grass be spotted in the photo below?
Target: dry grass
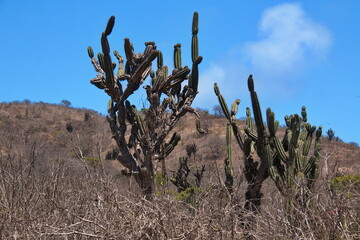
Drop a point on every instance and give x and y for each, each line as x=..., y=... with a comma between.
x=61, y=203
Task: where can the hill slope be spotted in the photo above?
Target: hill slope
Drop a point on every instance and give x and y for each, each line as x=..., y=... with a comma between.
x=55, y=184
x=64, y=132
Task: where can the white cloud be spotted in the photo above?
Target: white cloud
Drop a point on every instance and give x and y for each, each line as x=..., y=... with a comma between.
x=206, y=96
x=290, y=42
x=290, y=39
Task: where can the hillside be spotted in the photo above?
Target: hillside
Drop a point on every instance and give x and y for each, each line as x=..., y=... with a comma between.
x=44, y=127
x=56, y=182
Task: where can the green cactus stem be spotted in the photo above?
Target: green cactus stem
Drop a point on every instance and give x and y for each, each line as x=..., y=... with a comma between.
x=256, y=108
x=229, y=181
x=177, y=55
x=249, y=121
x=160, y=60
x=171, y=145
x=90, y=52
x=194, y=40
x=234, y=108
x=296, y=171
x=110, y=25
x=222, y=102
x=121, y=69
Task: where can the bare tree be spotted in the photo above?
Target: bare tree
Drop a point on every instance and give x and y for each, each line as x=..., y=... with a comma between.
x=217, y=110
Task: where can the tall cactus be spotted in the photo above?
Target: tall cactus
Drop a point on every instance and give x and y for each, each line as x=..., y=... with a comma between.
x=148, y=131
x=255, y=174
x=229, y=181
x=286, y=161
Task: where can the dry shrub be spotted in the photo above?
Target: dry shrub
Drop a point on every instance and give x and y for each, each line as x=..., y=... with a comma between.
x=67, y=203
x=47, y=194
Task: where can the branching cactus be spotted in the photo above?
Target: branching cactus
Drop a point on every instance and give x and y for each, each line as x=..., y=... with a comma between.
x=287, y=161
x=250, y=143
x=291, y=166
x=168, y=99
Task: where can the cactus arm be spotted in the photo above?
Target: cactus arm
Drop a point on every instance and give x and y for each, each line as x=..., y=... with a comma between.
x=256, y=107
x=249, y=121
x=198, y=127
x=177, y=55
x=121, y=69
x=194, y=40
x=108, y=67
x=169, y=147
x=222, y=102
x=227, y=114
x=234, y=108
x=304, y=114
x=196, y=59
x=228, y=160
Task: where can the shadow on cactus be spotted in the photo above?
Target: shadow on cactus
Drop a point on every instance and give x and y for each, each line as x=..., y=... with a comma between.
x=287, y=161
x=169, y=99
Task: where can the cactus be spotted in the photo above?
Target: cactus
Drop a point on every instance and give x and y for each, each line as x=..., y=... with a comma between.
x=196, y=59
x=330, y=133
x=286, y=161
x=234, y=108
x=255, y=174
x=177, y=56
x=169, y=147
x=292, y=169
x=222, y=102
x=148, y=131
x=229, y=181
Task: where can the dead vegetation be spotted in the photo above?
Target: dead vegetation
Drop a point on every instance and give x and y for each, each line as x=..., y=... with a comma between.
x=56, y=184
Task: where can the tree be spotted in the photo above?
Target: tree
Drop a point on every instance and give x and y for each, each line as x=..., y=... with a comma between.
x=168, y=102
x=331, y=134
x=66, y=103
x=217, y=110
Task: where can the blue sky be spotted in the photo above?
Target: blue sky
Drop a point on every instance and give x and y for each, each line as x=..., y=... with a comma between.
x=300, y=52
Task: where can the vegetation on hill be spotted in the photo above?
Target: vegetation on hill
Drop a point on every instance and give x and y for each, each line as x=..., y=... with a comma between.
x=56, y=184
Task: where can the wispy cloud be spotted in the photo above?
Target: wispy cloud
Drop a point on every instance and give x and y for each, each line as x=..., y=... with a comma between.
x=206, y=98
x=289, y=43
x=289, y=40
